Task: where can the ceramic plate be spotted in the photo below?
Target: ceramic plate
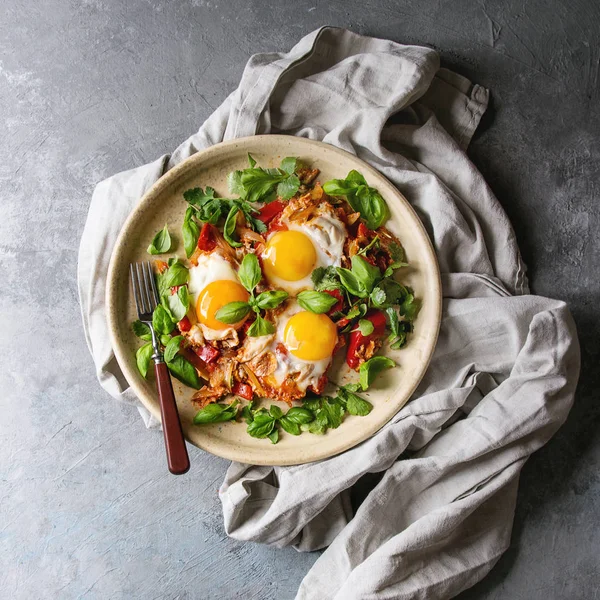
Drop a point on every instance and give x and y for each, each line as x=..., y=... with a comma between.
x=164, y=203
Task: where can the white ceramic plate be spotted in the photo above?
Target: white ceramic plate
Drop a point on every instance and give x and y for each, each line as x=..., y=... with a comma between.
x=164, y=203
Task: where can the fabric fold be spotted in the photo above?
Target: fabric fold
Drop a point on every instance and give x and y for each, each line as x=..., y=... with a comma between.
x=505, y=368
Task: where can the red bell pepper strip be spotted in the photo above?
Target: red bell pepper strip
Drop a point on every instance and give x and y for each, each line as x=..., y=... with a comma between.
x=269, y=211
x=206, y=239
x=340, y=301
x=184, y=324
x=358, y=340
x=276, y=224
x=207, y=353
x=243, y=390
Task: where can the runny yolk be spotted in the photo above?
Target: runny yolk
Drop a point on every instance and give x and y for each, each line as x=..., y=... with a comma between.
x=289, y=255
x=310, y=336
x=216, y=295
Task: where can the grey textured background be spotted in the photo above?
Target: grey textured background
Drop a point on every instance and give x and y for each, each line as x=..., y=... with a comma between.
x=90, y=88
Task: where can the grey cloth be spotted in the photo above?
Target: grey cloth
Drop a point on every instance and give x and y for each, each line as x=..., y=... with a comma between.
x=505, y=368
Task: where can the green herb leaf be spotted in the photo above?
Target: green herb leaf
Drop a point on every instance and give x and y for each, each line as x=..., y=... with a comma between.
x=183, y=370
x=251, y=161
x=373, y=243
x=143, y=356
x=229, y=228
x=274, y=436
x=355, y=405
x=325, y=278
x=271, y=299
x=259, y=183
x=262, y=425
x=165, y=339
x=316, y=302
x=178, y=304
x=247, y=413
x=371, y=368
x=289, y=426
x=365, y=272
x=288, y=187
x=299, y=415
x=233, y=312
x=216, y=413
x=249, y=272
x=161, y=242
x=275, y=411
x=234, y=183
x=351, y=283
x=142, y=330
x=334, y=412
x=161, y=321
x=366, y=327
x=176, y=274
x=338, y=187
x=289, y=165
x=260, y=327
x=356, y=178
x=410, y=307
x=190, y=232
x=378, y=297
x=172, y=348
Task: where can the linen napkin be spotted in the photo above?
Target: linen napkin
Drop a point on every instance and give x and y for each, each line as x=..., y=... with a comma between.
x=503, y=375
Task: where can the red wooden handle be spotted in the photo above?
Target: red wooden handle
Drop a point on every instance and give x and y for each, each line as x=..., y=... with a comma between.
x=177, y=455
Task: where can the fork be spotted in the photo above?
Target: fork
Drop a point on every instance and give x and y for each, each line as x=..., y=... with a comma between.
x=146, y=299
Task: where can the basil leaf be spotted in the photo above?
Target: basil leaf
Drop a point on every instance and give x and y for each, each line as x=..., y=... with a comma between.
x=161, y=321
x=142, y=330
x=249, y=272
x=355, y=405
x=289, y=426
x=216, y=413
x=229, y=228
x=233, y=312
x=365, y=327
x=289, y=165
x=173, y=348
x=165, y=339
x=260, y=327
x=178, y=303
x=271, y=299
x=177, y=274
x=247, y=412
x=274, y=436
x=372, y=207
x=251, y=161
x=190, y=232
x=262, y=425
x=316, y=302
x=275, y=411
x=299, y=415
x=356, y=178
x=338, y=187
x=288, y=187
x=325, y=278
x=161, y=242
x=184, y=371
x=365, y=272
x=143, y=356
x=371, y=368
x=351, y=283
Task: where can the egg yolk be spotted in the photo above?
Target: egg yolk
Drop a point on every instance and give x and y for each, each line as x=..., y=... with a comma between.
x=289, y=255
x=309, y=336
x=216, y=295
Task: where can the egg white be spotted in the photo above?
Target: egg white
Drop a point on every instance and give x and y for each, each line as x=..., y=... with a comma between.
x=327, y=234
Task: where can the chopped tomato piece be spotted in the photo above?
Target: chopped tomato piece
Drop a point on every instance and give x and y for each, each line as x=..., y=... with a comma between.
x=244, y=390
x=269, y=211
x=340, y=300
x=206, y=239
x=358, y=340
x=184, y=324
x=277, y=225
x=207, y=353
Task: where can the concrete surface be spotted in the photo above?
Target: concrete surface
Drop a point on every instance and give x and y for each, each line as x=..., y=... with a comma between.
x=89, y=88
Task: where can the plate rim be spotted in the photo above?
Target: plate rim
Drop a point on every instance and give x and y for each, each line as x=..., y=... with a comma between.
x=228, y=450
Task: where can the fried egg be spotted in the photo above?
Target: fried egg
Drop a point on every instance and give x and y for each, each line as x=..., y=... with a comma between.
x=290, y=256
x=213, y=283
x=309, y=341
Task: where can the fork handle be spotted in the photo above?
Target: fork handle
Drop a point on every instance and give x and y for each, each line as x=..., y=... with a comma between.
x=177, y=455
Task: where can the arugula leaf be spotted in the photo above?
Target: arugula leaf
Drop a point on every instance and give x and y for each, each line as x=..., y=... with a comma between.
x=229, y=228
x=216, y=413
x=183, y=370
x=316, y=302
x=325, y=278
x=141, y=330
x=366, y=327
x=190, y=232
x=233, y=312
x=260, y=327
x=249, y=272
x=271, y=299
x=262, y=425
x=371, y=368
x=161, y=321
x=143, y=357
x=289, y=165
x=161, y=242
x=172, y=348
x=176, y=274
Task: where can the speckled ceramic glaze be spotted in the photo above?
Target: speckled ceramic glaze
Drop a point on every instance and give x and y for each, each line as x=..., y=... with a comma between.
x=164, y=204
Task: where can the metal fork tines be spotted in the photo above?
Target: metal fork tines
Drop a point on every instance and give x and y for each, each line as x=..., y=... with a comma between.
x=144, y=290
